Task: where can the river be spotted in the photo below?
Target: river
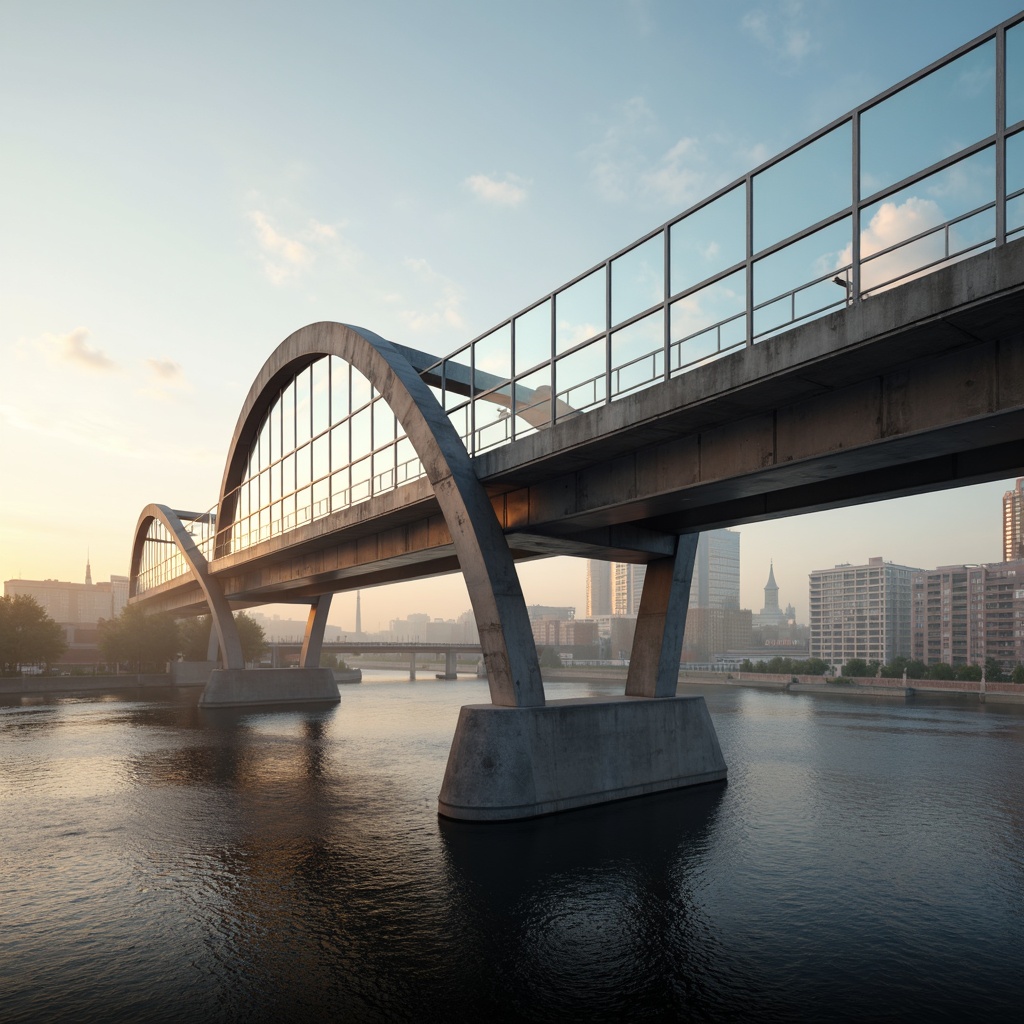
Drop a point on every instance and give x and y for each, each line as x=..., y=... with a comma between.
x=864, y=861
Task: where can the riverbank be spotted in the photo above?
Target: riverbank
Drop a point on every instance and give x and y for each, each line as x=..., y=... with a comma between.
x=988, y=693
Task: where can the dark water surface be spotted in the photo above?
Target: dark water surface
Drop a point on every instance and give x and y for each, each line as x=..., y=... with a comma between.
x=865, y=861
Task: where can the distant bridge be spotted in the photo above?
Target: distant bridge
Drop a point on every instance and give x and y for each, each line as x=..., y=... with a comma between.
x=280, y=649
x=843, y=323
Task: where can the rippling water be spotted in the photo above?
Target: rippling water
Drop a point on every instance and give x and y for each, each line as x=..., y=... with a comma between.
x=161, y=863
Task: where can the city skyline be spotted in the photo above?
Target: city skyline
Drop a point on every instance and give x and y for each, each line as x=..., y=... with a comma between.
x=162, y=239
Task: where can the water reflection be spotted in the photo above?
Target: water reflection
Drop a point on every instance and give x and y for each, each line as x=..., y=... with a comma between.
x=585, y=912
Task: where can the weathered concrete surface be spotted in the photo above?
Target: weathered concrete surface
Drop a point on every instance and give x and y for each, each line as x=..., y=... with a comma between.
x=238, y=687
x=508, y=763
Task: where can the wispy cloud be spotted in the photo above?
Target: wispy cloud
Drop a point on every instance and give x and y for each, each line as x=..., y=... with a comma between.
x=283, y=257
x=165, y=379
x=627, y=163
x=616, y=159
x=680, y=177
x=74, y=349
x=781, y=29
x=288, y=255
x=443, y=312
x=507, y=191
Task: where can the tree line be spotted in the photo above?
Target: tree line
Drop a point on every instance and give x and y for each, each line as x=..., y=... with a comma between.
x=858, y=668
x=134, y=640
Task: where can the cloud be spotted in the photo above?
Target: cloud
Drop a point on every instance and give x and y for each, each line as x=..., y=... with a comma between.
x=282, y=257
x=509, y=192
x=617, y=159
x=891, y=224
x=782, y=31
x=443, y=311
x=73, y=348
x=680, y=177
x=287, y=256
x=165, y=369
x=623, y=166
x=166, y=376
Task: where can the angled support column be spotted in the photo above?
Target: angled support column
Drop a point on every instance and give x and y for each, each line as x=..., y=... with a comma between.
x=313, y=639
x=661, y=623
x=213, y=645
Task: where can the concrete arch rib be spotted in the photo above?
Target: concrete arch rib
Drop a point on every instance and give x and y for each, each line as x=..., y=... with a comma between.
x=220, y=611
x=506, y=636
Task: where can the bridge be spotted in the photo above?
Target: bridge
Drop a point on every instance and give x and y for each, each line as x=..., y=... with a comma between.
x=450, y=652
x=841, y=324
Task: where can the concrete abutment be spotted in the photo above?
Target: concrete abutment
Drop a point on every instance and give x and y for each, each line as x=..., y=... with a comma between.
x=508, y=763
x=240, y=687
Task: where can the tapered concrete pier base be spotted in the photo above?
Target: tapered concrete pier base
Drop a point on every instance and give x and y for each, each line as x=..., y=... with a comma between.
x=230, y=687
x=508, y=763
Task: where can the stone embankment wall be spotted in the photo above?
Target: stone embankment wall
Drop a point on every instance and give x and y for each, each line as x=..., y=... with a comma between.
x=77, y=684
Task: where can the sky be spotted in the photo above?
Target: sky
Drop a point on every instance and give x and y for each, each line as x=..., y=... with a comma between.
x=184, y=185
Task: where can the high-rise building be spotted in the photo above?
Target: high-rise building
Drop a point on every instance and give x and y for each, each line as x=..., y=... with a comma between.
x=599, y=587
x=861, y=611
x=1013, y=540
x=716, y=570
x=965, y=614
x=627, y=586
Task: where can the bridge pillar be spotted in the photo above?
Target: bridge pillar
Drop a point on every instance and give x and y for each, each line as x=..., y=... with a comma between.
x=521, y=762
x=412, y=667
x=661, y=623
x=451, y=660
x=313, y=639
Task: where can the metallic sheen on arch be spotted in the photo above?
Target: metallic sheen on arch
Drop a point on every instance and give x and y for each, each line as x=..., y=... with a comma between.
x=506, y=636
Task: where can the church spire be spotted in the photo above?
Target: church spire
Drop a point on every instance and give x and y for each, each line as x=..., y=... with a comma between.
x=771, y=591
x=88, y=569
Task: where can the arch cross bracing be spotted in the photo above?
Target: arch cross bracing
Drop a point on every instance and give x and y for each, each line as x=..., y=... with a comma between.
x=506, y=636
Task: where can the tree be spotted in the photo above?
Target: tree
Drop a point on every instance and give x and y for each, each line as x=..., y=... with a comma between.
x=194, y=638
x=812, y=667
x=895, y=668
x=251, y=637
x=859, y=668
x=28, y=636
x=993, y=671
x=141, y=642
x=548, y=657
x=1017, y=675
x=969, y=673
x=917, y=670
x=941, y=670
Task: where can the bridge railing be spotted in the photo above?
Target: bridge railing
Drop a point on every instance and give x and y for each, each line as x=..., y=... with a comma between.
x=922, y=175
x=926, y=173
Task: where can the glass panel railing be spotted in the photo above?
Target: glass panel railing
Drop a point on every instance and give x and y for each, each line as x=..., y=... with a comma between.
x=638, y=279
x=934, y=117
x=1015, y=74
x=804, y=188
x=580, y=311
x=709, y=240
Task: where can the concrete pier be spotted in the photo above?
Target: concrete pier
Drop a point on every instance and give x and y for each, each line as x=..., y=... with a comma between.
x=239, y=687
x=508, y=762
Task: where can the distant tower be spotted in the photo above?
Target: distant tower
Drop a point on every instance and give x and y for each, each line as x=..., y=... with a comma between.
x=771, y=593
x=1013, y=540
x=599, y=587
x=359, y=616
x=88, y=571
